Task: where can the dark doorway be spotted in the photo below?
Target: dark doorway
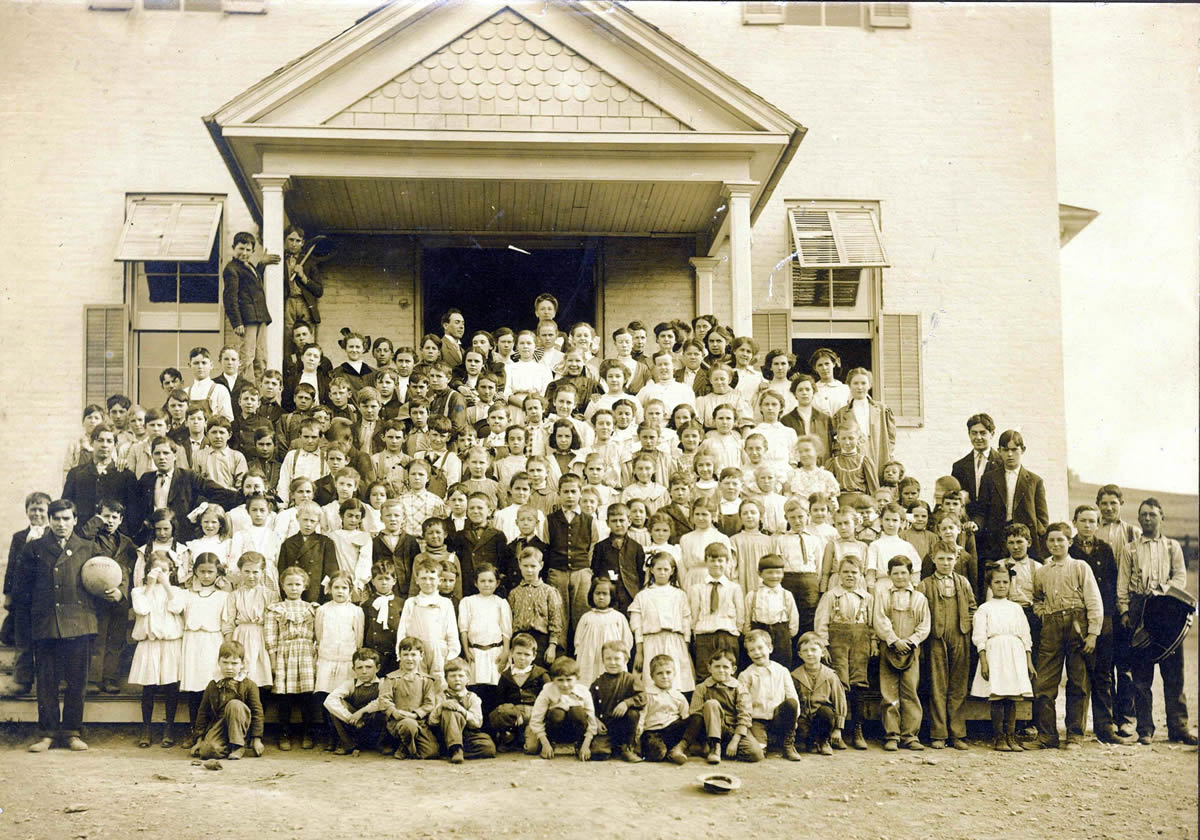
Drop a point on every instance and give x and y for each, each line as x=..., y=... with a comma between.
x=855, y=352
x=496, y=287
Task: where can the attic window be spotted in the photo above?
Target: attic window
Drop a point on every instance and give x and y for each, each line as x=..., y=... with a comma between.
x=875, y=15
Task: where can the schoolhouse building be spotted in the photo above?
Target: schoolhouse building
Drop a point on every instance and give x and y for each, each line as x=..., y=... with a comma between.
x=874, y=177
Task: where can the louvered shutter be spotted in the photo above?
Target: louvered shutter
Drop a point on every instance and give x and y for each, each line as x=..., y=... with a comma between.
x=772, y=330
x=900, y=360
x=891, y=15
x=836, y=238
x=105, y=343
x=181, y=230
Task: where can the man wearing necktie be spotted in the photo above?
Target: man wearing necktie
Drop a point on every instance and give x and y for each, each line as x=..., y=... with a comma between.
x=1010, y=494
x=970, y=469
x=63, y=623
x=181, y=490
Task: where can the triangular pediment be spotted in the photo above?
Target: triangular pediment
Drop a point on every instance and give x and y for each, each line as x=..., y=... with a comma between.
x=507, y=73
x=562, y=66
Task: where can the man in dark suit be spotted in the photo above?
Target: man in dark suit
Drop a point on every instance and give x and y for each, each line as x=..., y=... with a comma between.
x=63, y=623
x=969, y=469
x=1011, y=494
x=88, y=484
x=454, y=327
x=179, y=489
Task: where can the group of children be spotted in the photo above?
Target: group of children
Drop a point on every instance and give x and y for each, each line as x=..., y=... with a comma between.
x=422, y=557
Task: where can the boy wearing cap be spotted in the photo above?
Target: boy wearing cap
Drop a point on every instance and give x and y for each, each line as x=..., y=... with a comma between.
x=772, y=609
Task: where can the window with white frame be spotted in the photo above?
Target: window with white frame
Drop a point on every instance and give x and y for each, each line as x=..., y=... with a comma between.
x=837, y=263
x=171, y=246
x=873, y=15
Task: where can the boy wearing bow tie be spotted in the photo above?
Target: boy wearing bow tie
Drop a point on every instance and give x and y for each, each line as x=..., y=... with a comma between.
x=382, y=612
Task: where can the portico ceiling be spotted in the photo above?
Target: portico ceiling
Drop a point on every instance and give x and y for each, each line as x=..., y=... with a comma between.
x=375, y=205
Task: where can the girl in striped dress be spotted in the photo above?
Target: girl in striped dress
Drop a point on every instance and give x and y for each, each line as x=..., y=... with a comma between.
x=245, y=612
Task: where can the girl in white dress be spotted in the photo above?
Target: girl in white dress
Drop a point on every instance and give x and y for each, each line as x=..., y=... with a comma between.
x=245, y=612
x=1001, y=634
x=240, y=519
x=162, y=526
x=749, y=377
x=218, y=540
x=203, y=607
x=260, y=537
x=693, y=544
x=662, y=623
x=781, y=439
x=158, y=631
x=339, y=630
x=598, y=625
x=485, y=626
x=831, y=394
x=353, y=545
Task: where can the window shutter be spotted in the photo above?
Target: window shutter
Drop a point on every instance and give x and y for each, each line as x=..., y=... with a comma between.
x=762, y=12
x=182, y=231
x=110, y=5
x=891, y=15
x=836, y=238
x=105, y=333
x=900, y=359
x=772, y=330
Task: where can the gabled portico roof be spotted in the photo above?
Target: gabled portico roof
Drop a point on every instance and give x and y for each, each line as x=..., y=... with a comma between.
x=472, y=95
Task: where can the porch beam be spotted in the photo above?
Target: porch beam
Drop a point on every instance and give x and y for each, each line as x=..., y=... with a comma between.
x=272, y=187
x=502, y=165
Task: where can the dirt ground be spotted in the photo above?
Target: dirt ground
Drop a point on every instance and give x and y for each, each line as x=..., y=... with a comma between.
x=116, y=790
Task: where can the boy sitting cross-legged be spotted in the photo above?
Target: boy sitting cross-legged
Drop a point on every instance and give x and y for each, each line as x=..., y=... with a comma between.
x=518, y=689
x=665, y=717
x=230, y=710
x=564, y=712
x=407, y=698
x=773, y=701
x=720, y=713
x=355, y=708
x=458, y=719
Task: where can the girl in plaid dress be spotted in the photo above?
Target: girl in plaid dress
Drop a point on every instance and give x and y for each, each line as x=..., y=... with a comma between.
x=290, y=633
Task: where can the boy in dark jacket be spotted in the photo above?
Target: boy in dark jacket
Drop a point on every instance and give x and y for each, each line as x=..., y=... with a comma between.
x=230, y=710
x=518, y=688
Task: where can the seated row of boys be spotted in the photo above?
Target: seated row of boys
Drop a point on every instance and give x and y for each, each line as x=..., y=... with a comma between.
x=405, y=714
